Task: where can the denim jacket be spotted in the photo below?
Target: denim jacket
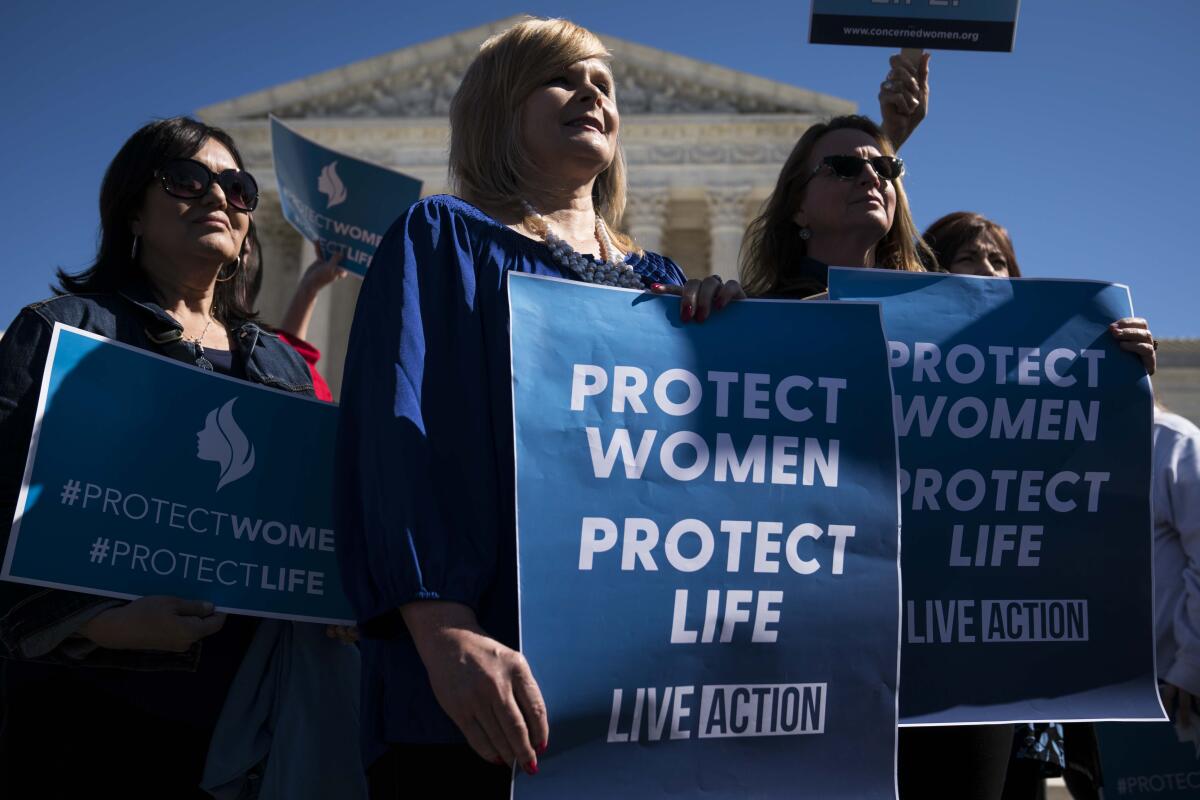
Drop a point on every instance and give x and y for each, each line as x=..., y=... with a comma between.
x=36, y=623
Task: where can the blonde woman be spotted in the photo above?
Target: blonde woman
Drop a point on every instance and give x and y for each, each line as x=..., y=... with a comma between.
x=425, y=490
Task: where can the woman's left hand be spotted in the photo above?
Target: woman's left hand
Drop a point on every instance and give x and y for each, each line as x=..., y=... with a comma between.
x=346, y=634
x=323, y=271
x=1134, y=335
x=699, y=298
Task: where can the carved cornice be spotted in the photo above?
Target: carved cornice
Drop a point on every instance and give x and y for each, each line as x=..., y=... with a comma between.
x=420, y=80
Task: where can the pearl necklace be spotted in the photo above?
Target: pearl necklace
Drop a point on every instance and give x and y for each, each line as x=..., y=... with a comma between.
x=608, y=272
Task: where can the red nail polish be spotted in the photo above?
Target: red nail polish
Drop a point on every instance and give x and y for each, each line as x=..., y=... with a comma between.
x=531, y=768
x=686, y=312
x=658, y=287
x=541, y=748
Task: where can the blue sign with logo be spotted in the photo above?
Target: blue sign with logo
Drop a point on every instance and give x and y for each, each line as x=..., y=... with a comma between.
x=148, y=476
x=1025, y=498
x=989, y=25
x=1149, y=759
x=707, y=545
x=344, y=203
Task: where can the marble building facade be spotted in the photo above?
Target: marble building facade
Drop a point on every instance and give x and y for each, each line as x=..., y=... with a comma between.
x=704, y=145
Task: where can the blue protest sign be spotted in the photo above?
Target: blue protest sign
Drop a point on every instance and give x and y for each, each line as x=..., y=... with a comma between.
x=343, y=202
x=987, y=25
x=1025, y=498
x=707, y=531
x=1148, y=759
x=148, y=476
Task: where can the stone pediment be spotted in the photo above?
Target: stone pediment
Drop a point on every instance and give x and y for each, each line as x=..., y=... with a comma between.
x=419, y=81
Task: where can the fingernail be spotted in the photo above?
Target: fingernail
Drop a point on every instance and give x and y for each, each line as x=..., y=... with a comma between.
x=531, y=768
x=208, y=607
x=721, y=301
x=498, y=761
x=541, y=748
x=658, y=287
x=685, y=313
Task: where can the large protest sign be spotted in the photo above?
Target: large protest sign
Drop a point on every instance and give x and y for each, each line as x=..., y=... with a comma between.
x=148, y=476
x=344, y=203
x=1025, y=498
x=1149, y=759
x=989, y=25
x=707, y=544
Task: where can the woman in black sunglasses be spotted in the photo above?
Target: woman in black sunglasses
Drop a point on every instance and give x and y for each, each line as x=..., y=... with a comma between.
x=104, y=697
x=838, y=200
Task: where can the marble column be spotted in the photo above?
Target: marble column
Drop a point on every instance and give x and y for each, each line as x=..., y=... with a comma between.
x=646, y=216
x=727, y=224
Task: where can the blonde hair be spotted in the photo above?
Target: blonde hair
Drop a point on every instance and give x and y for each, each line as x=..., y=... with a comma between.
x=488, y=163
x=773, y=247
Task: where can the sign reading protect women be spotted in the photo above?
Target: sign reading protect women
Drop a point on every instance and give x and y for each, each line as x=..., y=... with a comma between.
x=344, y=203
x=148, y=476
x=707, y=544
x=989, y=25
x=1025, y=498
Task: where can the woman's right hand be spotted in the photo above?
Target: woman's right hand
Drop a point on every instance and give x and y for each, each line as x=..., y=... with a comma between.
x=904, y=97
x=153, y=623
x=487, y=689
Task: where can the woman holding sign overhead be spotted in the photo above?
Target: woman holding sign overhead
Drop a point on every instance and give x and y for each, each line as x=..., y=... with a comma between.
x=109, y=697
x=426, y=484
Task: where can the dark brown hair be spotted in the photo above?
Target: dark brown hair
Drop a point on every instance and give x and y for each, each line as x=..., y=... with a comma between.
x=773, y=247
x=121, y=196
x=948, y=235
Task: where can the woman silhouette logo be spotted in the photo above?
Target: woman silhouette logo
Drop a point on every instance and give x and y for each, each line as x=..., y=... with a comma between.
x=222, y=441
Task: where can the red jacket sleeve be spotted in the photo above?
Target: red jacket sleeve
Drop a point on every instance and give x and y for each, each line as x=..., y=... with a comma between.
x=311, y=356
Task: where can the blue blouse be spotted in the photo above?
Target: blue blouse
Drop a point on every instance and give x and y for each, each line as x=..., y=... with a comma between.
x=425, y=486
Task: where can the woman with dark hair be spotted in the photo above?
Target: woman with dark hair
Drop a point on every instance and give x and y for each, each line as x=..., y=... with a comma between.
x=967, y=243
x=104, y=696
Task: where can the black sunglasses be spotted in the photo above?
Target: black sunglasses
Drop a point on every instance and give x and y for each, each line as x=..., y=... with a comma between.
x=889, y=168
x=188, y=179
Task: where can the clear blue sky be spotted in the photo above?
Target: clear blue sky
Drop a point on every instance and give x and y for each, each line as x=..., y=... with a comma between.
x=1082, y=142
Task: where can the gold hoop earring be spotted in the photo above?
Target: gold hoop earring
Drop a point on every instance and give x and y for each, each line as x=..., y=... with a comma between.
x=232, y=275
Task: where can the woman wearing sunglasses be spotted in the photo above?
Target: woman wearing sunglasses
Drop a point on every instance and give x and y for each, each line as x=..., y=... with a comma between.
x=104, y=696
x=839, y=201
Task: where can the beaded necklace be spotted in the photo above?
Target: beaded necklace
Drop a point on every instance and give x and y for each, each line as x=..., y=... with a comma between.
x=607, y=272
